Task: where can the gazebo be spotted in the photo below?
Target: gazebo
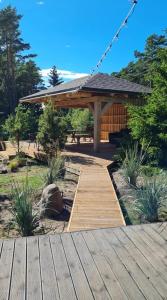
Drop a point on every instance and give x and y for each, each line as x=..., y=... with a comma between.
x=106, y=96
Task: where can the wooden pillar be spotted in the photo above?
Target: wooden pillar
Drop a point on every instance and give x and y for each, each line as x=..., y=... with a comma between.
x=97, y=114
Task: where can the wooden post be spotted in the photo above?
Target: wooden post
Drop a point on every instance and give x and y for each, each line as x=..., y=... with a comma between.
x=97, y=113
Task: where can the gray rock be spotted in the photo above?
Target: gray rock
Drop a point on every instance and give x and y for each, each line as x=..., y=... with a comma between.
x=3, y=169
x=51, y=202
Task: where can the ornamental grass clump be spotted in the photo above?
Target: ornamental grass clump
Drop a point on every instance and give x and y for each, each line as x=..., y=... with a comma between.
x=151, y=198
x=24, y=216
x=134, y=158
x=56, y=170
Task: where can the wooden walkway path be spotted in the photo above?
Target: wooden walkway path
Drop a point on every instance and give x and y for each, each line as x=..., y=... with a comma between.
x=117, y=263
x=95, y=204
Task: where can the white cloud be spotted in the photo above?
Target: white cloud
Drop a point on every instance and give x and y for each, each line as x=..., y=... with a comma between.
x=40, y=2
x=66, y=75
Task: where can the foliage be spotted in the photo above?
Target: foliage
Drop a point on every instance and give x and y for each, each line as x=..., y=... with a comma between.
x=152, y=197
x=134, y=158
x=11, y=48
x=28, y=78
x=54, y=78
x=16, y=125
x=140, y=71
x=56, y=170
x=24, y=217
x=150, y=171
x=81, y=119
x=52, y=130
x=149, y=123
x=13, y=165
x=126, y=142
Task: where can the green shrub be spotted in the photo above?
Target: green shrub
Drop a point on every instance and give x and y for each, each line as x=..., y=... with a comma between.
x=22, y=210
x=13, y=165
x=150, y=171
x=152, y=197
x=134, y=158
x=21, y=161
x=56, y=170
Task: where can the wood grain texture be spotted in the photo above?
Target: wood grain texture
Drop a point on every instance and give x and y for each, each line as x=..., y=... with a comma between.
x=110, y=263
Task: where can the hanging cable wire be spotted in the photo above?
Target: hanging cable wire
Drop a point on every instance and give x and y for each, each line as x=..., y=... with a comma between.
x=116, y=36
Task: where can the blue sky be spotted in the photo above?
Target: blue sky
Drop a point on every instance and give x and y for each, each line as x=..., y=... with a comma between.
x=72, y=34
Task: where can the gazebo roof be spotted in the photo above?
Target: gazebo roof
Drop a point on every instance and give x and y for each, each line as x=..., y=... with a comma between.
x=98, y=83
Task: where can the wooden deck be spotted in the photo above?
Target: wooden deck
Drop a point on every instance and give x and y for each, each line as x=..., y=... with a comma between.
x=115, y=263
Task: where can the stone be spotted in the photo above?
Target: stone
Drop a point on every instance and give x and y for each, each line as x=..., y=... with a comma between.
x=51, y=202
x=3, y=169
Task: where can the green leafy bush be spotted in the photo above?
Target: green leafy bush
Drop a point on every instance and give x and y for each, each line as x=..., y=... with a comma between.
x=152, y=197
x=149, y=122
x=13, y=165
x=81, y=119
x=21, y=161
x=150, y=171
x=22, y=210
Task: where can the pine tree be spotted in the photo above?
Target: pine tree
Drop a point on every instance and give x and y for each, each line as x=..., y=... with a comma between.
x=54, y=78
x=52, y=130
x=139, y=71
x=11, y=48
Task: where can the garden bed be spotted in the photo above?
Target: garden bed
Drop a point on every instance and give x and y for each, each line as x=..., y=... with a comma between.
x=127, y=196
x=35, y=178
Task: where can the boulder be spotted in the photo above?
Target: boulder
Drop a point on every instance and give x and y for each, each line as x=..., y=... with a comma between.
x=51, y=202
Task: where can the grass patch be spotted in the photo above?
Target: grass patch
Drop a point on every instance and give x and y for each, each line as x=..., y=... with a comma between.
x=35, y=177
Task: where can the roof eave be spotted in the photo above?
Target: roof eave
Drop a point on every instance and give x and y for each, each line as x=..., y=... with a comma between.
x=113, y=91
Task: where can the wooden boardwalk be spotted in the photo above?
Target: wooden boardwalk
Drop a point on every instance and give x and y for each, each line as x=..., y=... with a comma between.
x=117, y=263
x=95, y=204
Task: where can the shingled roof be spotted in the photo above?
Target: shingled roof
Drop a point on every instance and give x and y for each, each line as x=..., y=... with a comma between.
x=98, y=83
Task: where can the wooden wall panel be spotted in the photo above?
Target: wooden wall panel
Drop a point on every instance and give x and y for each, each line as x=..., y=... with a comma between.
x=113, y=120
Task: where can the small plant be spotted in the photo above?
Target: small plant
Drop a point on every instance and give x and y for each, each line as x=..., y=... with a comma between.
x=134, y=158
x=13, y=165
x=150, y=171
x=22, y=210
x=152, y=197
x=56, y=170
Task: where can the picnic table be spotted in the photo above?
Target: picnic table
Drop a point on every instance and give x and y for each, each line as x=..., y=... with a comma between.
x=76, y=137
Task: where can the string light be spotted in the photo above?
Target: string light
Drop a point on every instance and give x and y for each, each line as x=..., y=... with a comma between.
x=116, y=37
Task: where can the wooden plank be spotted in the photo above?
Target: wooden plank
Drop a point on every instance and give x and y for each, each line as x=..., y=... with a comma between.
x=49, y=283
x=110, y=280
x=64, y=280
x=162, y=229
x=133, y=268
x=155, y=247
x=125, y=280
x=18, y=281
x=6, y=268
x=152, y=257
x=95, y=281
x=158, y=226
x=79, y=278
x=34, y=291
x=152, y=275
x=155, y=236
x=1, y=244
